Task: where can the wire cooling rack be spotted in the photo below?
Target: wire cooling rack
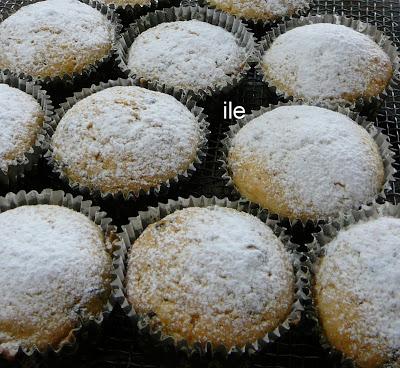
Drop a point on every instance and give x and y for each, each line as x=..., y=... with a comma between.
x=117, y=345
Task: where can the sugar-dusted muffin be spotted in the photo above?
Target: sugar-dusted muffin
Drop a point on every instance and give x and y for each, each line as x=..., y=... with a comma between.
x=357, y=292
x=54, y=273
x=126, y=139
x=181, y=54
x=260, y=10
x=210, y=275
x=21, y=119
x=327, y=64
x=54, y=38
x=305, y=162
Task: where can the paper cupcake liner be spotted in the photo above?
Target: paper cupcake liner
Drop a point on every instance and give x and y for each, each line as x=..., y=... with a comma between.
x=59, y=198
x=376, y=134
x=128, y=13
x=18, y=167
x=365, y=28
x=273, y=21
x=164, y=187
x=228, y=22
x=89, y=71
x=137, y=225
x=316, y=252
x=135, y=9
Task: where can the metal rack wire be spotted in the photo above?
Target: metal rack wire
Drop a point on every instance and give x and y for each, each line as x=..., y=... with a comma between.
x=117, y=345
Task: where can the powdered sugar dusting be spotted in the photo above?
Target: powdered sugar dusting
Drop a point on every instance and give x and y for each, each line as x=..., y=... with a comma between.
x=54, y=37
x=181, y=54
x=320, y=161
x=327, y=62
x=260, y=9
x=20, y=120
x=209, y=271
x=126, y=139
x=364, y=262
x=53, y=263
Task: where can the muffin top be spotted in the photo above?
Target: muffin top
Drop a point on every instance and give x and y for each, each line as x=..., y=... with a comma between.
x=53, y=38
x=361, y=273
x=124, y=139
x=180, y=54
x=327, y=64
x=21, y=117
x=54, y=270
x=305, y=162
x=211, y=275
x=260, y=9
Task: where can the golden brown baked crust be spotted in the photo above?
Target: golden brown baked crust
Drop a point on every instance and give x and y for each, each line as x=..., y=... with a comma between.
x=304, y=162
x=195, y=285
x=356, y=292
x=313, y=64
x=264, y=10
x=126, y=139
x=21, y=120
x=51, y=284
x=53, y=39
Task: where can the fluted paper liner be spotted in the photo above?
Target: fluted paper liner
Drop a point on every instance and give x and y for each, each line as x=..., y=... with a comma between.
x=18, y=167
x=59, y=198
x=228, y=22
x=137, y=225
x=184, y=99
x=365, y=28
x=89, y=70
x=376, y=134
x=316, y=252
x=134, y=8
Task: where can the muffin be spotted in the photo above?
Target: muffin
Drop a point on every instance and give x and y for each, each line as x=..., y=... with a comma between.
x=210, y=275
x=357, y=292
x=21, y=120
x=55, y=274
x=260, y=10
x=126, y=139
x=55, y=38
x=305, y=162
x=327, y=64
x=189, y=60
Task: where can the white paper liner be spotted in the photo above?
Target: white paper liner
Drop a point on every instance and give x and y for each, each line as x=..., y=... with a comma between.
x=135, y=8
x=164, y=187
x=90, y=70
x=376, y=134
x=228, y=22
x=365, y=28
x=59, y=198
x=21, y=165
x=137, y=225
x=316, y=251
